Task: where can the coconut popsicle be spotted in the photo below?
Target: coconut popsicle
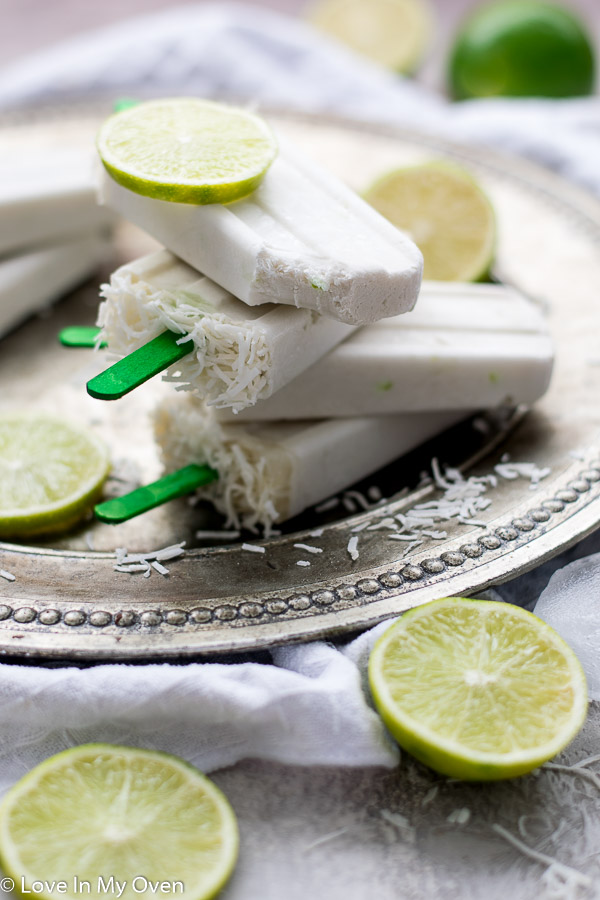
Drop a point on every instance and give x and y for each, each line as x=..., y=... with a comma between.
x=31, y=281
x=464, y=346
x=240, y=353
x=302, y=239
x=270, y=472
x=47, y=189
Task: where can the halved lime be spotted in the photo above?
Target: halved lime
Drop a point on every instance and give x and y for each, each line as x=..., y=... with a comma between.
x=122, y=816
x=394, y=33
x=187, y=150
x=51, y=473
x=476, y=689
x=522, y=48
x=447, y=215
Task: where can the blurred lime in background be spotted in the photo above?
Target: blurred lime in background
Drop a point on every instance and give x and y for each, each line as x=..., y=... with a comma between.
x=394, y=33
x=522, y=48
x=445, y=212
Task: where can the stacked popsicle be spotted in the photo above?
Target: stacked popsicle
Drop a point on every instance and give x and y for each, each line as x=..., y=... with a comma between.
x=283, y=307
x=52, y=232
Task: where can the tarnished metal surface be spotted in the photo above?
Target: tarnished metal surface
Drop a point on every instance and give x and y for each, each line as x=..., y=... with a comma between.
x=68, y=602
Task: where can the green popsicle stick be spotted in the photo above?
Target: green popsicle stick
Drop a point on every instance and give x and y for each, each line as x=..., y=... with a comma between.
x=80, y=336
x=176, y=484
x=136, y=368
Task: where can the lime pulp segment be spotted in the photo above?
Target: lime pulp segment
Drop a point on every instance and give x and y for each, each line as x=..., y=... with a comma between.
x=100, y=812
x=187, y=150
x=476, y=689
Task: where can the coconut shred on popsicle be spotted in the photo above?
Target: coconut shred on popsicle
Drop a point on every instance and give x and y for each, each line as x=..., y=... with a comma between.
x=236, y=354
x=268, y=472
x=299, y=237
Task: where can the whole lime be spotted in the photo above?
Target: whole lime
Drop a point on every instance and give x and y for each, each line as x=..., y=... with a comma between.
x=522, y=48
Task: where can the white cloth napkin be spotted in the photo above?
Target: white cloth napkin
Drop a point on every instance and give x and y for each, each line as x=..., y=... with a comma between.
x=311, y=706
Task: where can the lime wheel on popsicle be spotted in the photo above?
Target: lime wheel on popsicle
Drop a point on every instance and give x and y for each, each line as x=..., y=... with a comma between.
x=187, y=150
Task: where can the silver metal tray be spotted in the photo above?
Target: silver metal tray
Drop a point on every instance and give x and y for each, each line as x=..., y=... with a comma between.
x=68, y=603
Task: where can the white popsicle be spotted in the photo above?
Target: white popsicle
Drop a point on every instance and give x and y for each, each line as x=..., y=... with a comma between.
x=242, y=353
x=302, y=239
x=270, y=472
x=31, y=281
x=464, y=346
x=47, y=188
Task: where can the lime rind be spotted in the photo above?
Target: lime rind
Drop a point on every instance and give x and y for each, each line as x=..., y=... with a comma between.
x=186, y=150
x=35, y=519
x=451, y=757
x=15, y=801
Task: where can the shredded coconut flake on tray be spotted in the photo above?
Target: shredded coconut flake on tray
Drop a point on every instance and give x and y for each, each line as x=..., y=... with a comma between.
x=308, y=548
x=510, y=471
x=142, y=562
x=230, y=361
x=353, y=548
x=8, y=576
x=253, y=548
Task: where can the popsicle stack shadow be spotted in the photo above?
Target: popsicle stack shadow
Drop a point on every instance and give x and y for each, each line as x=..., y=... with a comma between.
x=53, y=234
x=286, y=321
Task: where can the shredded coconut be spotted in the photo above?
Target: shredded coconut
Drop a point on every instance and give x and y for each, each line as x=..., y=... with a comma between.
x=326, y=837
x=253, y=548
x=308, y=548
x=359, y=498
x=317, y=533
x=510, y=471
x=562, y=880
x=430, y=795
x=303, y=562
x=353, y=548
x=459, y=816
x=218, y=535
x=8, y=576
x=252, y=490
x=361, y=527
x=230, y=362
x=141, y=562
x=401, y=823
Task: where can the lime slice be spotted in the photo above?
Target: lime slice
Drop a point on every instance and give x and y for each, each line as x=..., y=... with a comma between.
x=99, y=812
x=187, y=150
x=51, y=473
x=447, y=215
x=522, y=48
x=394, y=33
x=477, y=690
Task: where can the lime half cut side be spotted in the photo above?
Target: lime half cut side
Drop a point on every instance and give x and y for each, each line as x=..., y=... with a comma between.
x=446, y=213
x=96, y=812
x=476, y=689
x=393, y=33
x=51, y=473
x=187, y=150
